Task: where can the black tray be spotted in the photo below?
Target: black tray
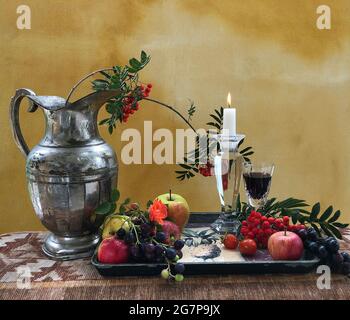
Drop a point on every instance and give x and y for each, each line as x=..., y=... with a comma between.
x=261, y=263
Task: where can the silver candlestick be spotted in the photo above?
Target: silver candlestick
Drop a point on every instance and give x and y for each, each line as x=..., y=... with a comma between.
x=228, y=166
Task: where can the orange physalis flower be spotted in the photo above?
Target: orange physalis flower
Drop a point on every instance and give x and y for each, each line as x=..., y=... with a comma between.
x=158, y=211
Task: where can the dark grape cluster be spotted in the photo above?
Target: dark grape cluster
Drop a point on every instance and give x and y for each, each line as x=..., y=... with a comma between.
x=327, y=249
x=146, y=244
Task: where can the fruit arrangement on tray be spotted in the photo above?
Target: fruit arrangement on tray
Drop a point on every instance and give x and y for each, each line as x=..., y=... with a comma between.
x=139, y=236
x=156, y=236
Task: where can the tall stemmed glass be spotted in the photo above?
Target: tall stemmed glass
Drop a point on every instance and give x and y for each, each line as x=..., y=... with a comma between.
x=257, y=181
x=228, y=166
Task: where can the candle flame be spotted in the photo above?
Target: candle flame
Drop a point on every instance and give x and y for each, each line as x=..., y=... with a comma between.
x=229, y=100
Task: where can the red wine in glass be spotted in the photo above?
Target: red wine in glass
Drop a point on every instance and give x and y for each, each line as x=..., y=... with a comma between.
x=257, y=181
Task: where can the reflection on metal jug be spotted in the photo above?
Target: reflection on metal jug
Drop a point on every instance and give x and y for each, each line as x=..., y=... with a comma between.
x=70, y=172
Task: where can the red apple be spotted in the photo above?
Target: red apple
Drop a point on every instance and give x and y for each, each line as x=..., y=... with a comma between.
x=285, y=245
x=171, y=230
x=113, y=251
x=178, y=210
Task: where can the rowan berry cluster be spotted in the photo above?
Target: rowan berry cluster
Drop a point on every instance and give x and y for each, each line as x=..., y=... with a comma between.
x=259, y=227
x=131, y=102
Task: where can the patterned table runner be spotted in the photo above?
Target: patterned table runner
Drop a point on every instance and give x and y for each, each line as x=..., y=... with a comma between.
x=20, y=255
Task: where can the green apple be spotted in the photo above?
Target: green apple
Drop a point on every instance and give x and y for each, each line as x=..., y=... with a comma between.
x=178, y=210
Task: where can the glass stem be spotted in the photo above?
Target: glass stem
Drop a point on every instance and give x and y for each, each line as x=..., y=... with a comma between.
x=238, y=167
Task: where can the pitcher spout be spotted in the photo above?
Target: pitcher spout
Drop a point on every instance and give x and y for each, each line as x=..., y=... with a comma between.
x=50, y=103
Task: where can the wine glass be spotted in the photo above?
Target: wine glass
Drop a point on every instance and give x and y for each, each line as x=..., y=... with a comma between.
x=257, y=181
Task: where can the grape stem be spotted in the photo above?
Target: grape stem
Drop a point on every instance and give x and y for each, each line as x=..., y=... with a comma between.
x=135, y=231
x=161, y=244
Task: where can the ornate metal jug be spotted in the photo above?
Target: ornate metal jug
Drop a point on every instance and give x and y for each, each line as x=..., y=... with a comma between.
x=70, y=172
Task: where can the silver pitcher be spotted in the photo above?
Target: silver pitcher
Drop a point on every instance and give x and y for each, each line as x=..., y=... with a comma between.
x=70, y=172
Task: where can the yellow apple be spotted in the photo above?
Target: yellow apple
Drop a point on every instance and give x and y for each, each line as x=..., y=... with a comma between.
x=113, y=224
x=178, y=210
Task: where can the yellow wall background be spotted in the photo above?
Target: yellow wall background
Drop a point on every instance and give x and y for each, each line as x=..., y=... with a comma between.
x=289, y=81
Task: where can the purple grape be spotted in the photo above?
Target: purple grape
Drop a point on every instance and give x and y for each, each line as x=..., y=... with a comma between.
x=302, y=233
x=150, y=256
x=333, y=246
x=160, y=236
x=160, y=259
x=159, y=250
x=179, y=244
x=313, y=247
x=135, y=252
x=129, y=238
x=170, y=253
x=346, y=256
x=149, y=248
x=179, y=268
x=311, y=234
x=145, y=227
x=137, y=221
x=121, y=233
x=322, y=252
x=179, y=253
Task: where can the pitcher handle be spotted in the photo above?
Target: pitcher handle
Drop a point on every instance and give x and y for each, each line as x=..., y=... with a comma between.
x=14, y=117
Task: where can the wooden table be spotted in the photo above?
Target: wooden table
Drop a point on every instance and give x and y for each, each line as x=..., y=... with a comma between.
x=20, y=252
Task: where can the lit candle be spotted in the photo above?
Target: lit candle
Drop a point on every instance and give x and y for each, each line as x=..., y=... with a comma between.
x=229, y=121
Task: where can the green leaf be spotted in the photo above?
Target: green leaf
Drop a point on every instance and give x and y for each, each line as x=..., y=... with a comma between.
x=340, y=225
x=335, y=231
x=190, y=174
x=191, y=110
x=149, y=203
x=132, y=70
x=115, y=195
x=245, y=150
x=220, y=115
x=104, y=73
x=112, y=209
x=315, y=211
x=326, y=214
x=218, y=120
x=269, y=203
x=143, y=56
x=117, y=69
x=103, y=121
x=122, y=209
x=134, y=63
x=335, y=217
x=238, y=204
x=126, y=201
x=185, y=166
x=240, y=143
x=295, y=215
x=213, y=124
x=103, y=208
x=110, y=129
x=325, y=230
